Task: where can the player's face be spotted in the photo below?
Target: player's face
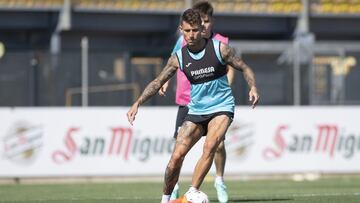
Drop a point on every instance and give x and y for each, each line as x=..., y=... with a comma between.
x=207, y=24
x=191, y=33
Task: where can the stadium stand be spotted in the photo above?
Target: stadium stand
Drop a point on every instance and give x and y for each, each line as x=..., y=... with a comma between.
x=282, y=7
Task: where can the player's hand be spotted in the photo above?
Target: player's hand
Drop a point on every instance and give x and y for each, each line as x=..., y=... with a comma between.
x=163, y=89
x=253, y=97
x=132, y=113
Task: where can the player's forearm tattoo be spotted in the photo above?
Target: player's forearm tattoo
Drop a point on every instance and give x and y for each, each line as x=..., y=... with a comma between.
x=153, y=87
x=171, y=178
x=235, y=61
x=249, y=77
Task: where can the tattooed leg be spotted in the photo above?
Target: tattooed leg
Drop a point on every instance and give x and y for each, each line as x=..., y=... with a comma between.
x=188, y=135
x=171, y=178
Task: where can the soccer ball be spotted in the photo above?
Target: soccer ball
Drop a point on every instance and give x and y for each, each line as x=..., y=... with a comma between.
x=196, y=196
x=193, y=196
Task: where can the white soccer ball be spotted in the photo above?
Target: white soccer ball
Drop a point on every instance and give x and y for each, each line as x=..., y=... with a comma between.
x=196, y=196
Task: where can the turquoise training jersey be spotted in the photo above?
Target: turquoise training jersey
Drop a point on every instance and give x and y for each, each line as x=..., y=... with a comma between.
x=206, y=71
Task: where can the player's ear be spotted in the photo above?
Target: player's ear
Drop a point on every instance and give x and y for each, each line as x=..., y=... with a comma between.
x=181, y=29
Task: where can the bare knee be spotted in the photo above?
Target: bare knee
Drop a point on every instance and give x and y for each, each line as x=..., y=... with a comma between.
x=210, y=148
x=176, y=160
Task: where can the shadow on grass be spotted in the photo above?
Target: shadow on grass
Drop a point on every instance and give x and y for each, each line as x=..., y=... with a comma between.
x=256, y=200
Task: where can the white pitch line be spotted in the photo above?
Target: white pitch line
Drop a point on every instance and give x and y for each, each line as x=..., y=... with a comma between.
x=325, y=194
x=308, y=195
x=156, y=198
x=82, y=199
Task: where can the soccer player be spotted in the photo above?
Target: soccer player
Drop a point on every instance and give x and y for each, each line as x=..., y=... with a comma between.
x=212, y=105
x=183, y=98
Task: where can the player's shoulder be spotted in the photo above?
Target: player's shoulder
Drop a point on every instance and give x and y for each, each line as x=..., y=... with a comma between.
x=221, y=38
x=180, y=38
x=179, y=44
x=175, y=58
x=181, y=41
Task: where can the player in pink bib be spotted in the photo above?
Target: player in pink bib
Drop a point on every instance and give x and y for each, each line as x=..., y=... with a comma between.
x=183, y=97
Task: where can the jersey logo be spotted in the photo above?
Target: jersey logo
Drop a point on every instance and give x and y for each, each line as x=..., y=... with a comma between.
x=205, y=72
x=187, y=65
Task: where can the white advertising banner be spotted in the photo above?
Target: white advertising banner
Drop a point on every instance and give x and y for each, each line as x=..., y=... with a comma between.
x=101, y=142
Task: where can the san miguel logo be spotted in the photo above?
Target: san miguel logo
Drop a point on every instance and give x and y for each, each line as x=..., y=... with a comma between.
x=328, y=140
x=22, y=142
x=120, y=142
x=239, y=140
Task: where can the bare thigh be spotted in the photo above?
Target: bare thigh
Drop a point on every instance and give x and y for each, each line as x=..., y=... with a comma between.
x=188, y=135
x=217, y=128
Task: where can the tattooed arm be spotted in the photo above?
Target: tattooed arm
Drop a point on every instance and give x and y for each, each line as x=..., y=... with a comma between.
x=153, y=87
x=230, y=57
x=230, y=74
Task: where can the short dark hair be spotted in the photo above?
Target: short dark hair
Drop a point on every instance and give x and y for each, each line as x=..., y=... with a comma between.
x=191, y=16
x=204, y=7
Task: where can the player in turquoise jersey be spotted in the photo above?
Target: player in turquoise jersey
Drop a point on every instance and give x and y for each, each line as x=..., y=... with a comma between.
x=182, y=97
x=204, y=63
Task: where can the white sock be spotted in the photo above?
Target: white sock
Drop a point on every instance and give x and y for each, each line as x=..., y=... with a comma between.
x=165, y=199
x=219, y=180
x=192, y=189
x=176, y=187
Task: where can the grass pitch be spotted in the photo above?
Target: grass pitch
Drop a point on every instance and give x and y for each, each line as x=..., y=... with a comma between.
x=344, y=189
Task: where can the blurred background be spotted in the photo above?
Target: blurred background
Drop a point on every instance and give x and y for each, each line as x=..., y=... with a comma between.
x=56, y=54
x=104, y=52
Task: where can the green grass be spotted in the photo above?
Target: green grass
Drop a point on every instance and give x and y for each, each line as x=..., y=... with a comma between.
x=326, y=190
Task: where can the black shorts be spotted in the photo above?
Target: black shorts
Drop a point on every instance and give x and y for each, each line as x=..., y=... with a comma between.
x=204, y=120
x=181, y=114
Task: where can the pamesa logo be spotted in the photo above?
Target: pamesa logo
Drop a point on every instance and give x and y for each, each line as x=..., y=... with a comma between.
x=22, y=143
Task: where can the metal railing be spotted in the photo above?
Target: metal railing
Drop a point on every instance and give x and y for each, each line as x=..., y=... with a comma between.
x=70, y=92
